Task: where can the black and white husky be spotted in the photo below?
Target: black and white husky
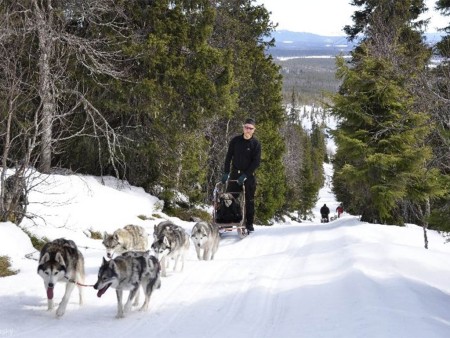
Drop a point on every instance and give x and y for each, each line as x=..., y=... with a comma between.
x=129, y=272
x=61, y=261
x=205, y=237
x=171, y=242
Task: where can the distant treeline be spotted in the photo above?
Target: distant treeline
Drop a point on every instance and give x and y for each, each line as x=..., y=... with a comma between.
x=312, y=80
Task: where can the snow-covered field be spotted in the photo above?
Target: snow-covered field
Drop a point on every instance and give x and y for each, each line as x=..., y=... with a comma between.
x=341, y=279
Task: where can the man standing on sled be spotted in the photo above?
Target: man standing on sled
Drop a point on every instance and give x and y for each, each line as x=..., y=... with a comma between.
x=242, y=159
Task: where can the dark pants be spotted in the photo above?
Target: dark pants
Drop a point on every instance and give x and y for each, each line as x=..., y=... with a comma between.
x=250, y=190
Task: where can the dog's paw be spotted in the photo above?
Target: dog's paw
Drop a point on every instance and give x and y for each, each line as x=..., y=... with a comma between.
x=144, y=308
x=127, y=308
x=60, y=312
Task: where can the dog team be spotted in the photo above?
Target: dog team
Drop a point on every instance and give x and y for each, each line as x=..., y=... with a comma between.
x=133, y=267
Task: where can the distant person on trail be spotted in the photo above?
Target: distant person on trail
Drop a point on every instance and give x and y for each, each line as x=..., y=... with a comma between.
x=325, y=212
x=340, y=210
x=242, y=159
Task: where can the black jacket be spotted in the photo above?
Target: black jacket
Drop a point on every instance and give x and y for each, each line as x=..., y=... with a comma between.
x=244, y=155
x=324, y=210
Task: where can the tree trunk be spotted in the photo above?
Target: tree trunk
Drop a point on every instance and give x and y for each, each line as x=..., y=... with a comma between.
x=425, y=222
x=45, y=90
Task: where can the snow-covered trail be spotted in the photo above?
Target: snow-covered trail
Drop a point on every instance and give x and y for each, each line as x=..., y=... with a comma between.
x=341, y=279
x=320, y=280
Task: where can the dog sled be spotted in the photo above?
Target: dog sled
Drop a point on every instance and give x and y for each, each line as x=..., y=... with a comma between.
x=326, y=220
x=229, y=209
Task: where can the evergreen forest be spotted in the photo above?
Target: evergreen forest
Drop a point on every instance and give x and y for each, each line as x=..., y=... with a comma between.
x=151, y=91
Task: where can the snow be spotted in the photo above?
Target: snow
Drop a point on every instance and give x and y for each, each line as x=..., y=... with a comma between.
x=345, y=278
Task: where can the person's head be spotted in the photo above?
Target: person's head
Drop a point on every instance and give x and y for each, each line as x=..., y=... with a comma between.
x=249, y=128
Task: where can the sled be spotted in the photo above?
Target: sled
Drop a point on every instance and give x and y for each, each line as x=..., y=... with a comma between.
x=235, y=222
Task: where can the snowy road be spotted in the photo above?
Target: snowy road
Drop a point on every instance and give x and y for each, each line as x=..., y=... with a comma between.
x=341, y=279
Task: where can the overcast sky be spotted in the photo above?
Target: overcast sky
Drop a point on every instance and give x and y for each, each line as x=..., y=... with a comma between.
x=326, y=17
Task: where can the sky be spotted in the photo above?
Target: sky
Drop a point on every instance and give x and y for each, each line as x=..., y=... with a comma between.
x=345, y=278
x=326, y=17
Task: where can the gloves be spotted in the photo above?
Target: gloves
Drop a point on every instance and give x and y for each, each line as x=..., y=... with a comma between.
x=225, y=177
x=242, y=179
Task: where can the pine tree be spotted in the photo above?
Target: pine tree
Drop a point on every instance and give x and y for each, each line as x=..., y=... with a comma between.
x=309, y=184
x=381, y=158
x=440, y=138
x=241, y=28
x=293, y=161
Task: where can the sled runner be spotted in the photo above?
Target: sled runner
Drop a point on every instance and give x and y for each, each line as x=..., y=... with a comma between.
x=229, y=209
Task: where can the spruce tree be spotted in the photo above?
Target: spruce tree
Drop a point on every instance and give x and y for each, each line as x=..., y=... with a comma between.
x=309, y=185
x=381, y=158
x=241, y=28
x=440, y=138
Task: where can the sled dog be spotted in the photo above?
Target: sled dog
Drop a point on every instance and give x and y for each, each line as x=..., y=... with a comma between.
x=131, y=237
x=61, y=261
x=128, y=272
x=205, y=237
x=14, y=198
x=164, y=227
x=172, y=243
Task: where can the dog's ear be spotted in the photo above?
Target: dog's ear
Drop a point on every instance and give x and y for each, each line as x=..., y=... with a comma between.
x=59, y=258
x=113, y=265
x=116, y=237
x=45, y=258
x=166, y=241
x=105, y=235
x=104, y=262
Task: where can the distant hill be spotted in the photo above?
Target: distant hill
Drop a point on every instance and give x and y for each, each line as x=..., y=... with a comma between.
x=307, y=63
x=288, y=44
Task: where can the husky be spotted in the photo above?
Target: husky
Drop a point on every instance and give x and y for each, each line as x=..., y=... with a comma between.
x=14, y=199
x=131, y=237
x=128, y=272
x=205, y=236
x=172, y=243
x=164, y=227
x=145, y=254
x=61, y=261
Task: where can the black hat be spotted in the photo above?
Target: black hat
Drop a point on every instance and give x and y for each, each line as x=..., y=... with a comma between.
x=250, y=121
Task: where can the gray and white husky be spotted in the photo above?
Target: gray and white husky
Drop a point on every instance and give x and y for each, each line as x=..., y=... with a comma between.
x=172, y=242
x=129, y=272
x=205, y=237
x=130, y=238
x=165, y=226
x=61, y=261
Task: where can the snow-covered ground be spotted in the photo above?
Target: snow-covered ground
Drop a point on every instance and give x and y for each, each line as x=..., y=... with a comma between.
x=341, y=279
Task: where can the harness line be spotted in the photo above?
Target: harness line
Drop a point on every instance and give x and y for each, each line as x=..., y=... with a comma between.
x=77, y=283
